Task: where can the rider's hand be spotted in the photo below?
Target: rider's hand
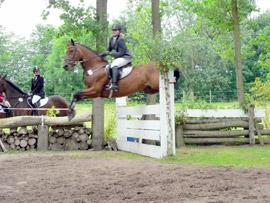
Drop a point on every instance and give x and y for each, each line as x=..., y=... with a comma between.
x=113, y=53
x=103, y=54
x=30, y=94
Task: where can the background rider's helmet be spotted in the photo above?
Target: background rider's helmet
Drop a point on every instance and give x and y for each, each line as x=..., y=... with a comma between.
x=35, y=69
x=116, y=27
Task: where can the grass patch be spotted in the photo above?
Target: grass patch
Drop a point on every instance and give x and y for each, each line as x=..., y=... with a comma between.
x=218, y=156
x=243, y=156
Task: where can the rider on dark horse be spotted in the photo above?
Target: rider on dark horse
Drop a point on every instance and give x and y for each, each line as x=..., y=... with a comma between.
x=37, y=87
x=118, y=49
x=4, y=104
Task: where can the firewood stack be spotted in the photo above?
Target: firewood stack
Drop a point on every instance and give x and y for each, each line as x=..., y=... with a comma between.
x=21, y=139
x=77, y=138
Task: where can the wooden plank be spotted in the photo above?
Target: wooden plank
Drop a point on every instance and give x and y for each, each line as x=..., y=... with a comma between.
x=139, y=124
x=22, y=121
x=238, y=140
x=264, y=132
x=43, y=133
x=139, y=148
x=213, y=126
x=212, y=120
x=138, y=111
x=222, y=113
x=251, y=125
x=179, y=136
x=215, y=134
x=138, y=133
x=2, y=146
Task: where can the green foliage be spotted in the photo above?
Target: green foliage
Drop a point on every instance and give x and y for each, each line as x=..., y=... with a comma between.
x=260, y=91
x=53, y=112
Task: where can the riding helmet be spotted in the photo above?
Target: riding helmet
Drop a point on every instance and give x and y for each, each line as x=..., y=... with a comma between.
x=116, y=27
x=35, y=69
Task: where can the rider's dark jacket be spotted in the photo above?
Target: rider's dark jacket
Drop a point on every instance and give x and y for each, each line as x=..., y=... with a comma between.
x=120, y=48
x=37, y=87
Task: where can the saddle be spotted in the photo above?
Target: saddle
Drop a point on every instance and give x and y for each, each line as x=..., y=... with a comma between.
x=40, y=103
x=123, y=71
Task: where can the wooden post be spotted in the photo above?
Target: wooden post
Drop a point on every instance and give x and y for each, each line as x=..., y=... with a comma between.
x=167, y=118
x=179, y=136
x=2, y=146
x=43, y=132
x=251, y=125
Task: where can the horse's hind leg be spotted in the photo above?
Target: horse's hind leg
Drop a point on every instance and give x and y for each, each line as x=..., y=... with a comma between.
x=149, y=90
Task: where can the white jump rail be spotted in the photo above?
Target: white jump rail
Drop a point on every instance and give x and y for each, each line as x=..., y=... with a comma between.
x=132, y=130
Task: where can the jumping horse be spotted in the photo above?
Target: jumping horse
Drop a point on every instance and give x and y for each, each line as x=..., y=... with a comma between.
x=143, y=77
x=20, y=100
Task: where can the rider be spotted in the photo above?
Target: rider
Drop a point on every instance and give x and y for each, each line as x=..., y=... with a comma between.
x=4, y=104
x=37, y=87
x=117, y=48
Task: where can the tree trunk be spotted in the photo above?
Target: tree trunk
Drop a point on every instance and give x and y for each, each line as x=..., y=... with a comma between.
x=156, y=22
x=237, y=49
x=98, y=103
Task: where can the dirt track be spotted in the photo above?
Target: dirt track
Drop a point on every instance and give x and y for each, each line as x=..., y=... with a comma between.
x=59, y=178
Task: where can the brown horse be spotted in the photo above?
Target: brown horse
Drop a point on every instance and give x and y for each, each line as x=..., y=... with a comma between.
x=143, y=77
x=20, y=99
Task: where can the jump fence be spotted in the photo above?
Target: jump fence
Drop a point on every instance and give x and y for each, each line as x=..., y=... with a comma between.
x=221, y=126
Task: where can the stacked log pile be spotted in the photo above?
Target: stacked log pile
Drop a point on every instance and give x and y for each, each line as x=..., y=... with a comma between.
x=21, y=139
x=213, y=131
x=77, y=138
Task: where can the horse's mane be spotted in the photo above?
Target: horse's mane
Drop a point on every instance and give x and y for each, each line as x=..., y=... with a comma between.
x=15, y=86
x=96, y=52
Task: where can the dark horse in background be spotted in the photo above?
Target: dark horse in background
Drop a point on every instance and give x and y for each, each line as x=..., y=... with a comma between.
x=20, y=99
x=143, y=77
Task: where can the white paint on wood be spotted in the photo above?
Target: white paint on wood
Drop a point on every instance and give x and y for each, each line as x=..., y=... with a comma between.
x=138, y=133
x=222, y=113
x=148, y=129
x=138, y=111
x=139, y=148
x=139, y=124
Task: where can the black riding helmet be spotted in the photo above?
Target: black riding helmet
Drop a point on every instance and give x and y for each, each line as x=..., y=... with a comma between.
x=35, y=69
x=116, y=27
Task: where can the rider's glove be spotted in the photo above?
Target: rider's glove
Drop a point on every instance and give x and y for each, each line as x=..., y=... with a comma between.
x=113, y=53
x=103, y=54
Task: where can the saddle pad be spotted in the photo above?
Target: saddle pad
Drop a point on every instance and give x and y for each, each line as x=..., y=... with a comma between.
x=125, y=72
x=43, y=102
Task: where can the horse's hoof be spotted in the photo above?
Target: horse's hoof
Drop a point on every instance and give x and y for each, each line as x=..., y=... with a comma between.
x=71, y=115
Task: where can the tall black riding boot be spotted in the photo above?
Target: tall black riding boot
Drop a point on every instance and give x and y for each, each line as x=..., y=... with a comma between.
x=34, y=110
x=114, y=85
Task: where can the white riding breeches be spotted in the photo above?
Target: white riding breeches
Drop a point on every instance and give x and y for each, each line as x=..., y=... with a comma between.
x=119, y=62
x=35, y=99
x=1, y=109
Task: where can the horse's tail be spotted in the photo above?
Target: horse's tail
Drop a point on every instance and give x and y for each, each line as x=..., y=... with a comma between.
x=177, y=74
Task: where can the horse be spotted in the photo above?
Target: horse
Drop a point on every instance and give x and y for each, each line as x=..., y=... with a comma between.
x=21, y=100
x=144, y=77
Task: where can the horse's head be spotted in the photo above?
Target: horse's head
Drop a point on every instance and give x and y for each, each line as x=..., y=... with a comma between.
x=3, y=87
x=72, y=56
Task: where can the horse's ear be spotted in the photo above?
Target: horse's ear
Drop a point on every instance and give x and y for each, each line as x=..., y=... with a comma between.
x=72, y=42
x=4, y=77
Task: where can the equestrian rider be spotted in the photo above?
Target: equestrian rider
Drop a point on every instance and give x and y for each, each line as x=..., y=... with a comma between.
x=4, y=104
x=37, y=87
x=122, y=56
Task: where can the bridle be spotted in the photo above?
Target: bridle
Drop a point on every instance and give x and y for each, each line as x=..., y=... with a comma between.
x=83, y=61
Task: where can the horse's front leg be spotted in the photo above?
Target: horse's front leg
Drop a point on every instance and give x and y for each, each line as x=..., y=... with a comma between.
x=88, y=93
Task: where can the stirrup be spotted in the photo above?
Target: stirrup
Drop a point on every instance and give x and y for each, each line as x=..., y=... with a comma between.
x=112, y=87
